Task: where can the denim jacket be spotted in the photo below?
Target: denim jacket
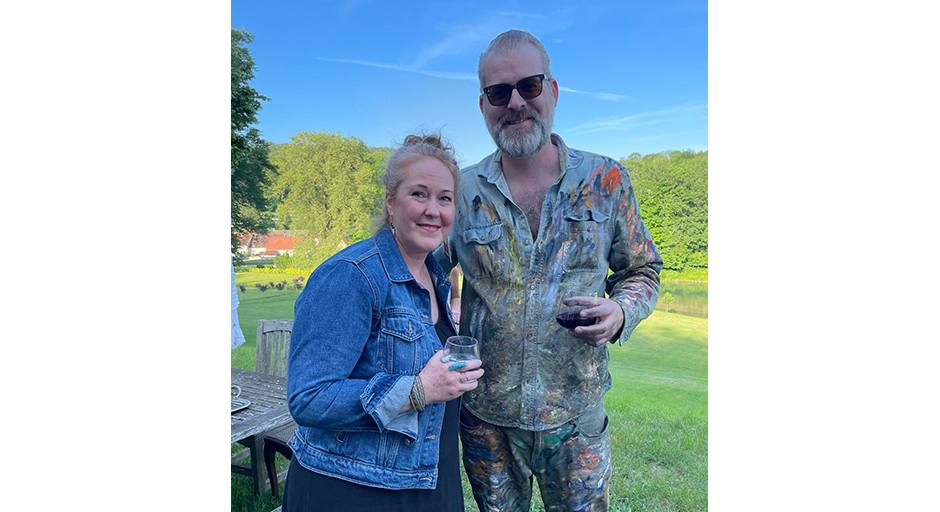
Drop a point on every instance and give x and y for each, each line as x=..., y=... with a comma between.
x=362, y=333
x=592, y=239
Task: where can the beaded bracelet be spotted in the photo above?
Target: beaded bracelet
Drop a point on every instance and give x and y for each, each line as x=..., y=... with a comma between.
x=417, y=395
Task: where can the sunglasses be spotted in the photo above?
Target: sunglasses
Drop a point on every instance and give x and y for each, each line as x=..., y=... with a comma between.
x=529, y=87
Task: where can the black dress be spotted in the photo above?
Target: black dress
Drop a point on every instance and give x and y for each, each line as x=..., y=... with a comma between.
x=307, y=491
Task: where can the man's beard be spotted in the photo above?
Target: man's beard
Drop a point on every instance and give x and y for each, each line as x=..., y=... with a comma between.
x=516, y=143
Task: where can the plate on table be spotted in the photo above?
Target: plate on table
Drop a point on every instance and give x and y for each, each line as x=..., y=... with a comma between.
x=239, y=404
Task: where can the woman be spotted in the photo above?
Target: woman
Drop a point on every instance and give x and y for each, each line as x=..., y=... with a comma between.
x=377, y=407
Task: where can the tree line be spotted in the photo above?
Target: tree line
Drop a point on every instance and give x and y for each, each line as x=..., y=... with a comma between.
x=327, y=188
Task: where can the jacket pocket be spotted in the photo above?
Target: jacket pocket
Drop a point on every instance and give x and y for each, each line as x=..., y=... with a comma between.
x=373, y=448
x=586, y=237
x=398, y=344
x=483, y=241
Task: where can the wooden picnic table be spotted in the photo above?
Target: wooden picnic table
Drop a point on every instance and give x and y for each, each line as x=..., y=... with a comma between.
x=268, y=410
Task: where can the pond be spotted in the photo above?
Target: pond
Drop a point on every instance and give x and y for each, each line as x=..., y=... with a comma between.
x=691, y=298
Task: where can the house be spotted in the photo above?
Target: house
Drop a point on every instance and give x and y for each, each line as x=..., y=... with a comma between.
x=252, y=244
x=244, y=243
x=273, y=244
x=278, y=245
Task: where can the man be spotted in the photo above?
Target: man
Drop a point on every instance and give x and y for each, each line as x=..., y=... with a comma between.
x=535, y=221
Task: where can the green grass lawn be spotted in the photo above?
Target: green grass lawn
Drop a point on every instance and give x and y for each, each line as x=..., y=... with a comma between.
x=254, y=305
x=658, y=410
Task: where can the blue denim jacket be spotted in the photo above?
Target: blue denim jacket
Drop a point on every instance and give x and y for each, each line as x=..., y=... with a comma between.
x=362, y=332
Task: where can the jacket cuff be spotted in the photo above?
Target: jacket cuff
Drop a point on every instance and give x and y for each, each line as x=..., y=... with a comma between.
x=384, y=397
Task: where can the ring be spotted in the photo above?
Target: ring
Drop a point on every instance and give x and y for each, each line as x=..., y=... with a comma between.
x=457, y=366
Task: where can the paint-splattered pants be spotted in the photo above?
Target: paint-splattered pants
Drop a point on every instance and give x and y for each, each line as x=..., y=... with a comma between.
x=571, y=463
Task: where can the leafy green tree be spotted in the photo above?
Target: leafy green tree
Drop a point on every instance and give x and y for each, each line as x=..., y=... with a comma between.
x=667, y=299
x=251, y=167
x=328, y=190
x=672, y=189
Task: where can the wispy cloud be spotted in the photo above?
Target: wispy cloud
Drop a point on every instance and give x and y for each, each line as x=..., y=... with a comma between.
x=400, y=67
x=607, y=96
x=347, y=8
x=636, y=120
x=472, y=38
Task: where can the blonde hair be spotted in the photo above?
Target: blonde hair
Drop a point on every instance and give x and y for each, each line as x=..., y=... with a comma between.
x=415, y=146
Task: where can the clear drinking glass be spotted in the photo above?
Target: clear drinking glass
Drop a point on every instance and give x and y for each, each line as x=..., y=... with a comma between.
x=461, y=348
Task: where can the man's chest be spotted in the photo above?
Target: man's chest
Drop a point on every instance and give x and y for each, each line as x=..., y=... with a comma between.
x=529, y=199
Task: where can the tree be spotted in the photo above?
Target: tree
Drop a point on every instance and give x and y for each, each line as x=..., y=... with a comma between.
x=672, y=189
x=667, y=299
x=251, y=167
x=329, y=189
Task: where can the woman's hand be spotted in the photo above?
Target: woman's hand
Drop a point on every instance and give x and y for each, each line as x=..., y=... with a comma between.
x=441, y=384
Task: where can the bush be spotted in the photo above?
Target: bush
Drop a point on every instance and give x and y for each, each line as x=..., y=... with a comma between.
x=283, y=261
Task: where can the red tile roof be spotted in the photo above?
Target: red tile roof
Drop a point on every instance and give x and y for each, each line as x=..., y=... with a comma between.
x=275, y=240
x=280, y=243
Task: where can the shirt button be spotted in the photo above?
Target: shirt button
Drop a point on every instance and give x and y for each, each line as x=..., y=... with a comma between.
x=590, y=228
x=527, y=241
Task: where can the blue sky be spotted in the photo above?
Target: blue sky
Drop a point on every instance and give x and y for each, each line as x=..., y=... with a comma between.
x=633, y=75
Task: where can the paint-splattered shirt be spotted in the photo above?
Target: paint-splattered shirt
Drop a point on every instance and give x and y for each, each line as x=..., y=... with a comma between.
x=537, y=375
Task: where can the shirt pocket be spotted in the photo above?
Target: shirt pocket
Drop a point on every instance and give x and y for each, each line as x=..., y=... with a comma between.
x=484, y=242
x=398, y=344
x=586, y=237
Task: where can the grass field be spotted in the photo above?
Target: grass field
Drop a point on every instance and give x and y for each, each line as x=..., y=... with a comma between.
x=658, y=409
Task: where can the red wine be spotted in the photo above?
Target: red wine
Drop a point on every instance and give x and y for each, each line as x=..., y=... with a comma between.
x=573, y=319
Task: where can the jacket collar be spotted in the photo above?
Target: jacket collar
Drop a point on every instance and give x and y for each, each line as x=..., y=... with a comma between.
x=394, y=262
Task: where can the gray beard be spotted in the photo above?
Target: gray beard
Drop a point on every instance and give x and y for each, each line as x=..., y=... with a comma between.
x=522, y=145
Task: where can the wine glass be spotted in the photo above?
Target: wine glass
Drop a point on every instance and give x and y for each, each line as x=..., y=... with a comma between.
x=569, y=312
x=461, y=348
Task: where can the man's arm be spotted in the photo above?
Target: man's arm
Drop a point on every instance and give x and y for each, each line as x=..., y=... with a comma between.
x=634, y=261
x=633, y=284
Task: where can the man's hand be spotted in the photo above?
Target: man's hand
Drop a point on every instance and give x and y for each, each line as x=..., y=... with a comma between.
x=611, y=320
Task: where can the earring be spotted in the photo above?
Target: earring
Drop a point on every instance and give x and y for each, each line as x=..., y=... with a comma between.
x=391, y=224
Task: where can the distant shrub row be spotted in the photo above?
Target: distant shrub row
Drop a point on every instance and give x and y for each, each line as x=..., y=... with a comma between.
x=298, y=285
x=272, y=270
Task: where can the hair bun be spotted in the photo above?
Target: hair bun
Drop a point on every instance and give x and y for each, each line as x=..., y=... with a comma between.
x=431, y=139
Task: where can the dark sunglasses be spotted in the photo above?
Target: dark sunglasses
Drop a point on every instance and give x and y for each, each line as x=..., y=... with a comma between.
x=529, y=87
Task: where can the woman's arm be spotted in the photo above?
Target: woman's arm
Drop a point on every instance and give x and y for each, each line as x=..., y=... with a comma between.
x=333, y=320
x=455, y=294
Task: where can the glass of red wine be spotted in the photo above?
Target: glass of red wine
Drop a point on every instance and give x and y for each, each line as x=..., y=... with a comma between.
x=569, y=314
